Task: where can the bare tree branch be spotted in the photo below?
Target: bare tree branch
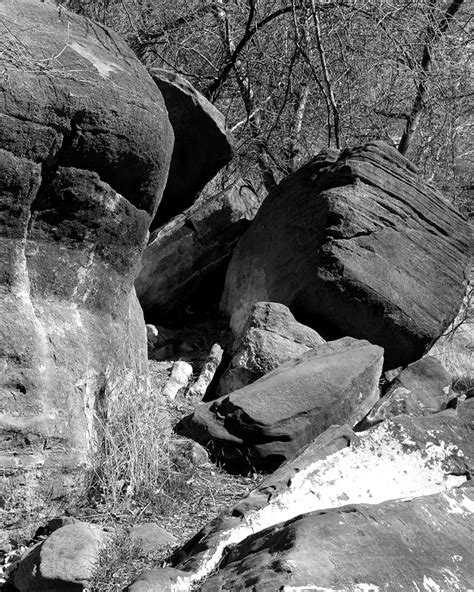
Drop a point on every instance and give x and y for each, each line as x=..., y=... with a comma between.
x=435, y=30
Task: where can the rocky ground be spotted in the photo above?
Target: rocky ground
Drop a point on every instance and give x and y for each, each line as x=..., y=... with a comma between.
x=310, y=438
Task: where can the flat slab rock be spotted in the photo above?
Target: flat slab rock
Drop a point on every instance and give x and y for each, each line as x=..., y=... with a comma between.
x=355, y=243
x=403, y=458
x=268, y=421
x=270, y=337
x=419, y=544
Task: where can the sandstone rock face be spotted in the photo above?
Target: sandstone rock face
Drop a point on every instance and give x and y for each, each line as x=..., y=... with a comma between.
x=186, y=259
x=403, y=458
x=202, y=143
x=420, y=544
x=63, y=562
x=270, y=337
x=422, y=388
x=271, y=419
x=355, y=243
x=85, y=148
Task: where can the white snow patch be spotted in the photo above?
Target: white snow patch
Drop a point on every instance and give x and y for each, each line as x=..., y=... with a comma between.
x=104, y=67
x=430, y=585
x=378, y=468
x=355, y=588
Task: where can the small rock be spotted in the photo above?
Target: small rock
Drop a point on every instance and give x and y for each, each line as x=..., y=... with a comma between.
x=151, y=536
x=179, y=379
x=63, y=562
x=199, y=456
x=200, y=387
x=159, y=336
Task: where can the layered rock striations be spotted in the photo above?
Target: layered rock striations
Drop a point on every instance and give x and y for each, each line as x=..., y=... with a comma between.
x=355, y=243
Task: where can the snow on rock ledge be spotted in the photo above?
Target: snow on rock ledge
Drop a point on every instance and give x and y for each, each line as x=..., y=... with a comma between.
x=400, y=459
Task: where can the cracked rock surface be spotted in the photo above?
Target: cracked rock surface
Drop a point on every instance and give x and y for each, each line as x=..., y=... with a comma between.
x=355, y=243
x=86, y=145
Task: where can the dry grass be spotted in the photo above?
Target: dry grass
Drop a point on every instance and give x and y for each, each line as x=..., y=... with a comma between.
x=121, y=561
x=143, y=472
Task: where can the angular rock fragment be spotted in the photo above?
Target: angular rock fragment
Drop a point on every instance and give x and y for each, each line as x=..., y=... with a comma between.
x=268, y=421
x=270, y=337
x=64, y=562
x=185, y=261
x=422, y=388
x=208, y=372
x=202, y=146
x=355, y=243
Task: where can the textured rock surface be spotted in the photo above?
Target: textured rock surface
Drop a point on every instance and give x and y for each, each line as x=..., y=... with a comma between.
x=202, y=143
x=186, y=259
x=157, y=580
x=150, y=536
x=86, y=145
x=401, y=458
x=419, y=544
x=268, y=421
x=270, y=337
x=422, y=388
x=64, y=562
x=355, y=243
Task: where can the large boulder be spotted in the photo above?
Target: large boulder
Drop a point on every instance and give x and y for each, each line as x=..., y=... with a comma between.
x=270, y=337
x=419, y=544
x=355, y=243
x=202, y=147
x=85, y=149
x=186, y=259
x=268, y=421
